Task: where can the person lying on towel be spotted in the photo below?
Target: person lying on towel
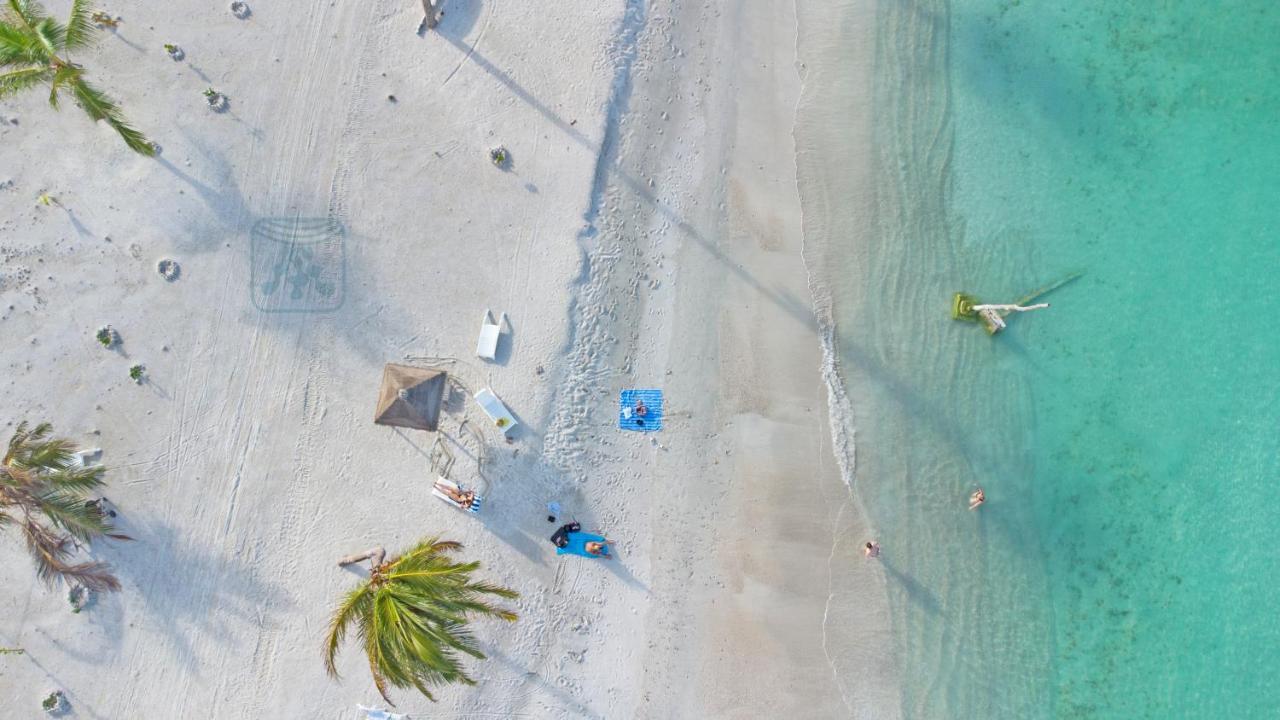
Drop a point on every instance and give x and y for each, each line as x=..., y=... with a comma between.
x=464, y=498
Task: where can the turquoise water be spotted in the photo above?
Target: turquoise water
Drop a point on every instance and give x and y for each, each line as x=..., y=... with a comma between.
x=1127, y=562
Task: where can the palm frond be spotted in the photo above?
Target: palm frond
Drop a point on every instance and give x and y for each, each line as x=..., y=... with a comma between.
x=23, y=435
x=29, y=11
x=19, y=80
x=30, y=15
x=52, y=34
x=349, y=610
x=71, y=513
x=37, y=481
x=414, y=625
x=19, y=47
x=100, y=107
x=51, y=551
x=76, y=479
x=46, y=455
x=80, y=28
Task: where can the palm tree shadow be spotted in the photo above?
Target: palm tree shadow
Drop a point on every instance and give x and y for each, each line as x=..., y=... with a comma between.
x=106, y=615
x=188, y=590
x=226, y=204
x=457, y=17
x=606, y=167
x=78, y=704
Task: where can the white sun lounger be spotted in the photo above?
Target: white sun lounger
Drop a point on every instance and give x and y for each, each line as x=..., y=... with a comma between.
x=475, y=501
x=379, y=714
x=82, y=458
x=487, y=345
x=496, y=411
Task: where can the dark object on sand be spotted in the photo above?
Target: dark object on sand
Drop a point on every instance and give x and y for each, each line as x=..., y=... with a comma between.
x=169, y=269
x=241, y=10
x=561, y=537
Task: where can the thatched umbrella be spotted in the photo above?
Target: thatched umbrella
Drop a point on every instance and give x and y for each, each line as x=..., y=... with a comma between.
x=410, y=397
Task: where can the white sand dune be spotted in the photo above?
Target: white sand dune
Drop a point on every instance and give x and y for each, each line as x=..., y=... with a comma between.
x=646, y=234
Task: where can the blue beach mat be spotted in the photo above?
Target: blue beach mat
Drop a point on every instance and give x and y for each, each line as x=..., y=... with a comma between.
x=578, y=545
x=652, y=420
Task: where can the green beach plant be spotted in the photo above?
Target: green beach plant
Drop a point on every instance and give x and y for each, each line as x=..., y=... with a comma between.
x=45, y=496
x=35, y=50
x=411, y=617
x=54, y=703
x=136, y=373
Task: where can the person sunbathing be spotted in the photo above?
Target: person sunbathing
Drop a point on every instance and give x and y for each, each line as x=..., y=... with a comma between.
x=599, y=549
x=464, y=498
x=641, y=410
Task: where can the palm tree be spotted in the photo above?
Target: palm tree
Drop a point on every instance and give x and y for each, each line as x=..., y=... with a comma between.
x=45, y=495
x=411, y=616
x=36, y=47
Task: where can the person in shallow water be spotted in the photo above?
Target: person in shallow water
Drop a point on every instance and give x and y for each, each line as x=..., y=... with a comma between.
x=872, y=549
x=976, y=499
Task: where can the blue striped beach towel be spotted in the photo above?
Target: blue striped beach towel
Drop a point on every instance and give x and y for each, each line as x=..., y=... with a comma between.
x=475, y=500
x=651, y=421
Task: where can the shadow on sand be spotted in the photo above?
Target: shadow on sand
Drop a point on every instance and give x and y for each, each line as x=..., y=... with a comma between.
x=189, y=590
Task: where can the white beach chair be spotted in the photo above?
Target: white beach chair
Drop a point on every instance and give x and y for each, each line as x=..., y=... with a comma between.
x=380, y=714
x=487, y=345
x=496, y=411
x=82, y=458
x=435, y=490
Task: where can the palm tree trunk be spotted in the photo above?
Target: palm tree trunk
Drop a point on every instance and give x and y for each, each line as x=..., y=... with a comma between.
x=375, y=556
x=431, y=9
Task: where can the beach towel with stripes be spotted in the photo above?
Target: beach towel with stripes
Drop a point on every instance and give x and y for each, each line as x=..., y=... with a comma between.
x=648, y=421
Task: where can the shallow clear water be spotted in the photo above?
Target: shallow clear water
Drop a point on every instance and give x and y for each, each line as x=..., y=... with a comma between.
x=1126, y=562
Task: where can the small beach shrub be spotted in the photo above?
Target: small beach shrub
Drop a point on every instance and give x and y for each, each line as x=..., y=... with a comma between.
x=106, y=336
x=136, y=373
x=499, y=156
x=79, y=598
x=217, y=100
x=54, y=703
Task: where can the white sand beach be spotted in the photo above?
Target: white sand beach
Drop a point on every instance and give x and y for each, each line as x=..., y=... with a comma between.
x=647, y=233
